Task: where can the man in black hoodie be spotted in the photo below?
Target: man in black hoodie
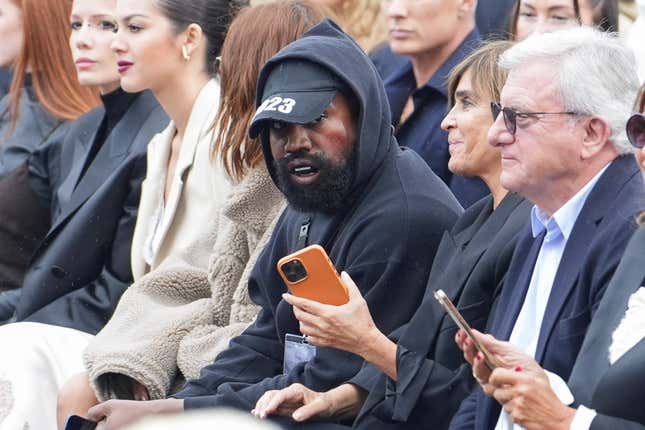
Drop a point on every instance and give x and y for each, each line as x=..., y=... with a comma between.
x=378, y=210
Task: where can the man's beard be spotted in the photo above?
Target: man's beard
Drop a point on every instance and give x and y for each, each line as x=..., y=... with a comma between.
x=330, y=191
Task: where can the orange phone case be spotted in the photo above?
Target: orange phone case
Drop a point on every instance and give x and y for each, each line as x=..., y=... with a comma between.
x=321, y=283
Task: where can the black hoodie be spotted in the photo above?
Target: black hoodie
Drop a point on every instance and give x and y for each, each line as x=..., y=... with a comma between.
x=385, y=239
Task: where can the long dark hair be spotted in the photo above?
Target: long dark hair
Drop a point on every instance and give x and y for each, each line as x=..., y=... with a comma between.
x=213, y=16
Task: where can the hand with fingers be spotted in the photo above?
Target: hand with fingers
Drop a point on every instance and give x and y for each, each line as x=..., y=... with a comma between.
x=116, y=414
x=349, y=327
x=529, y=399
x=295, y=401
x=503, y=354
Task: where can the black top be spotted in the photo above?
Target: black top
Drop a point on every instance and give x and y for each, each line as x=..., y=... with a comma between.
x=433, y=378
x=116, y=104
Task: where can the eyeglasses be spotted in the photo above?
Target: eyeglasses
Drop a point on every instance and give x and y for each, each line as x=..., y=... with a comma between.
x=636, y=130
x=510, y=115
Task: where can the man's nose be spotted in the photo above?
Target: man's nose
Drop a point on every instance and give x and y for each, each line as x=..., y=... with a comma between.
x=297, y=139
x=498, y=134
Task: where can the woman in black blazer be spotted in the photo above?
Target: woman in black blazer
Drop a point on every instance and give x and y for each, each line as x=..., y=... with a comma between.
x=418, y=378
x=606, y=383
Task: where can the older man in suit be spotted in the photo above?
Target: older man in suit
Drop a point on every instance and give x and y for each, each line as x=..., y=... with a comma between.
x=560, y=127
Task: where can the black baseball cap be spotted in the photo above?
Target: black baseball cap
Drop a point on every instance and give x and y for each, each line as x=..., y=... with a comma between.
x=297, y=92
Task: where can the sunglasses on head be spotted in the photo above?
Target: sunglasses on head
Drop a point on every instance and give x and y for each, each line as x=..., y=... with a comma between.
x=636, y=130
x=510, y=115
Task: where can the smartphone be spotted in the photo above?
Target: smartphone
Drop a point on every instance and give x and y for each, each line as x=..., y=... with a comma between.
x=74, y=422
x=443, y=299
x=310, y=274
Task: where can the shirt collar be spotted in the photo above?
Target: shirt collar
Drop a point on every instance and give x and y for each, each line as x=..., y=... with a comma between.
x=564, y=219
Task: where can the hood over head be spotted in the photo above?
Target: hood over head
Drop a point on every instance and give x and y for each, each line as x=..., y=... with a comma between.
x=339, y=65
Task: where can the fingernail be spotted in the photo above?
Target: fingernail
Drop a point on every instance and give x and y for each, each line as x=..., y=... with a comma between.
x=296, y=416
x=518, y=369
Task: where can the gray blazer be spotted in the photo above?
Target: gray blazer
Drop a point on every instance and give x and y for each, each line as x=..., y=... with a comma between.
x=35, y=125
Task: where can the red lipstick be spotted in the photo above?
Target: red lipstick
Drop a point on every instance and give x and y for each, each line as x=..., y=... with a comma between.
x=124, y=66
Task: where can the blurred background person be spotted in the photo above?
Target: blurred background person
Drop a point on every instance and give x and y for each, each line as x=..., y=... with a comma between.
x=541, y=16
x=361, y=19
x=419, y=379
x=44, y=95
x=44, y=91
x=432, y=37
x=11, y=35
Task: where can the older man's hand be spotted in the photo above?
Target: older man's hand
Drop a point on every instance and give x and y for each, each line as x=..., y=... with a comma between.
x=503, y=354
x=529, y=400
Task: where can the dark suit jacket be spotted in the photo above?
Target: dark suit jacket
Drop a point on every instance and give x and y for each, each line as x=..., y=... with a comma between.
x=469, y=266
x=591, y=255
x=82, y=267
x=614, y=391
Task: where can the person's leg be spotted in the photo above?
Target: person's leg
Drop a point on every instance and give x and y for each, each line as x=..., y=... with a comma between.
x=75, y=398
x=37, y=360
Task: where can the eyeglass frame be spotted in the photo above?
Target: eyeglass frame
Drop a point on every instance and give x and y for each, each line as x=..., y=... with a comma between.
x=510, y=115
x=630, y=133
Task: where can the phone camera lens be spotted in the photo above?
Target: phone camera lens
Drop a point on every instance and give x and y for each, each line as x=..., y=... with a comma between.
x=294, y=271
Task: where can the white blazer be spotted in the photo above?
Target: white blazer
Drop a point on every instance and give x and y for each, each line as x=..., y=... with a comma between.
x=198, y=190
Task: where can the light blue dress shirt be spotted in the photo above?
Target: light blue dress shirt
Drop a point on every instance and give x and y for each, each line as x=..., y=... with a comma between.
x=526, y=330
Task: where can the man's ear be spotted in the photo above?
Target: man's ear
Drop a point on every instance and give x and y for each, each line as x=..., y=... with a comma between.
x=193, y=38
x=467, y=8
x=596, y=135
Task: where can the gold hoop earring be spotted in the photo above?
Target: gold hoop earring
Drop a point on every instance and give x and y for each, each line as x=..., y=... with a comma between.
x=184, y=52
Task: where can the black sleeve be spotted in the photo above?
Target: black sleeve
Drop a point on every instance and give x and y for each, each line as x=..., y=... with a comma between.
x=91, y=306
x=605, y=422
x=44, y=167
x=423, y=384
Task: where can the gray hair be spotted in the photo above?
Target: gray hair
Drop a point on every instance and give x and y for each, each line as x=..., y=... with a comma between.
x=596, y=72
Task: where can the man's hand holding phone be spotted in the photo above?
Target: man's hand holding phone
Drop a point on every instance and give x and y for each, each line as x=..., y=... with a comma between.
x=349, y=327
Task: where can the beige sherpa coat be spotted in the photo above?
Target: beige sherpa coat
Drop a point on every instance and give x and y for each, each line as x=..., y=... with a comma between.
x=172, y=322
